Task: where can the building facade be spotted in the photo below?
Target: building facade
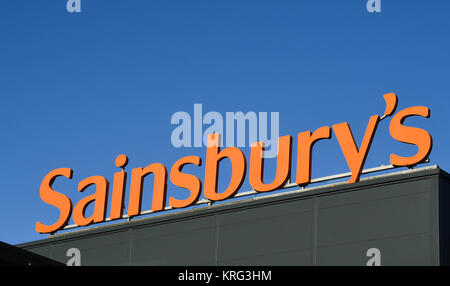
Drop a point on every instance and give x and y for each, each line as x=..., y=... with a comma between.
x=401, y=218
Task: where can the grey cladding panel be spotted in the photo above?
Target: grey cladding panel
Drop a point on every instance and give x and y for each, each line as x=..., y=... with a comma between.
x=183, y=242
x=296, y=258
x=372, y=214
x=403, y=250
x=261, y=234
x=107, y=249
x=376, y=192
x=393, y=218
x=374, y=219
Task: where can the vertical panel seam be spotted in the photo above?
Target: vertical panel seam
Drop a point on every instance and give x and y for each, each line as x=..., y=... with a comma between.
x=216, y=246
x=315, y=216
x=130, y=250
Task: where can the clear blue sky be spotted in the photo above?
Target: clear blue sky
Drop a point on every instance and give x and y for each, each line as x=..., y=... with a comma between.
x=79, y=89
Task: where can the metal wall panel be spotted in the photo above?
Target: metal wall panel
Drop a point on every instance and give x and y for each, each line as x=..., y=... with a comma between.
x=403, y=250
x=255, y=236
x=182, y=242
x=111, y=249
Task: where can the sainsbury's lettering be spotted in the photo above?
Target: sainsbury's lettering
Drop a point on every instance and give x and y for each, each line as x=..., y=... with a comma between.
x=354, y=155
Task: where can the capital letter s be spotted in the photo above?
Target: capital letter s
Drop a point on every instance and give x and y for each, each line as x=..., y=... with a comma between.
x=411, y=135
x=52, y=197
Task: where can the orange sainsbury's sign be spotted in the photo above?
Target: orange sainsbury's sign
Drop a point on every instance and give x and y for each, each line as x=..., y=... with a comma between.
x=354, y=155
